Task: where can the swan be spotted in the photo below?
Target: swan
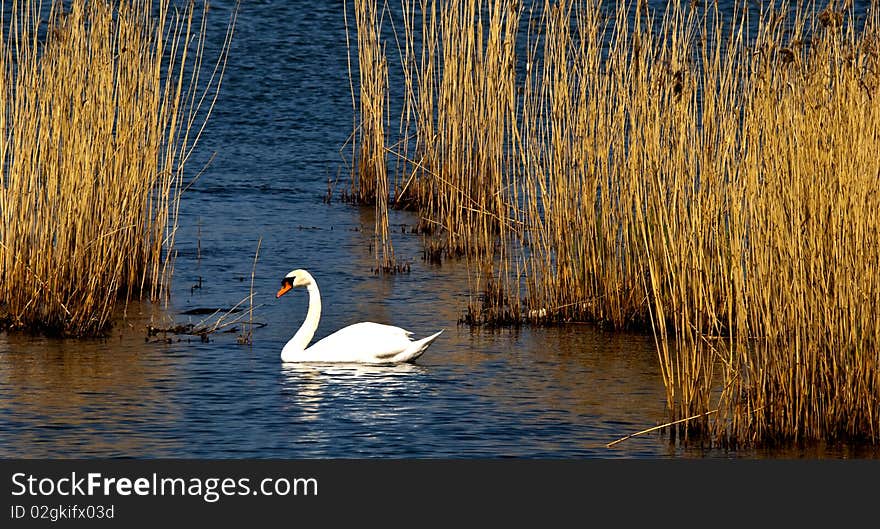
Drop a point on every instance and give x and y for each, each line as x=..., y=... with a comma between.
x=366, y=342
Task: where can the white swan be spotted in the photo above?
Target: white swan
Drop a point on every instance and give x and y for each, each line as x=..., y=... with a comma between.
x=367, y=342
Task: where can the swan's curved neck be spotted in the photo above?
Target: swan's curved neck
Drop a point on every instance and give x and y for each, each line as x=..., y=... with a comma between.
x=307, y=330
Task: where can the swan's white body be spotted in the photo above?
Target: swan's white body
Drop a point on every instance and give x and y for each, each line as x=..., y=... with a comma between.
x=365, y=343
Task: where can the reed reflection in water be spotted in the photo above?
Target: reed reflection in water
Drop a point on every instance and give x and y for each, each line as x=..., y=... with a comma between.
x=68, y=398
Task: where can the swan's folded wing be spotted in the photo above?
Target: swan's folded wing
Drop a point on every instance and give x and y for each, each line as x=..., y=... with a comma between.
x=368, y=330
x=366, y=342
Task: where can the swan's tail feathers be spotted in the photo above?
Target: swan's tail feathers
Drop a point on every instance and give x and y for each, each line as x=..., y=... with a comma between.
x=416, y=349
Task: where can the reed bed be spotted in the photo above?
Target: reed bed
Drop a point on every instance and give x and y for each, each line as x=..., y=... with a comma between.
x=101, y=105
x=710, y=176
x=723, y=189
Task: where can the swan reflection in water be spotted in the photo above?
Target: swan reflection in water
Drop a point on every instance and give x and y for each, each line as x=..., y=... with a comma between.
x=359, y=392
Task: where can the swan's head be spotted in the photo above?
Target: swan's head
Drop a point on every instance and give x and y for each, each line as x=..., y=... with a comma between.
x=296, y=278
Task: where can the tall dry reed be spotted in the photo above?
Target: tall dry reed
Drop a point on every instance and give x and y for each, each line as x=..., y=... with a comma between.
x=101, y=105
x=722, y=190
x=457, y=127
x=369, y=177
x=711, y=176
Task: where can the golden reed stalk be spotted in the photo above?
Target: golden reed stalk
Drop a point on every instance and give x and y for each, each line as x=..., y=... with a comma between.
x=369, y=176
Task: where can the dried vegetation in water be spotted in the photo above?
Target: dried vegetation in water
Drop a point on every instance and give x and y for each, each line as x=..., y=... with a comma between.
x=101, y=105
x=713, y=177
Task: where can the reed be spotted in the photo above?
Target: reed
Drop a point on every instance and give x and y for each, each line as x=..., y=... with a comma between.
x=808, y=236
x=457, y=127
x=101, y=105
x=369, y=184
x=711, y=176
x=706, y=174
x=371, y=170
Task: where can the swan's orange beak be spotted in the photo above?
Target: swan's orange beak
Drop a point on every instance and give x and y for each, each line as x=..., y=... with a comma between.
x=285, y=288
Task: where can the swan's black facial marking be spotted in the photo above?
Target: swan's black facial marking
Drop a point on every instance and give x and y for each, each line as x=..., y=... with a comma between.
x=286, y=286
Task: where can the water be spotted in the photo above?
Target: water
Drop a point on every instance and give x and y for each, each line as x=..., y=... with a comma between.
x=282, y=118
x=561, y=392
